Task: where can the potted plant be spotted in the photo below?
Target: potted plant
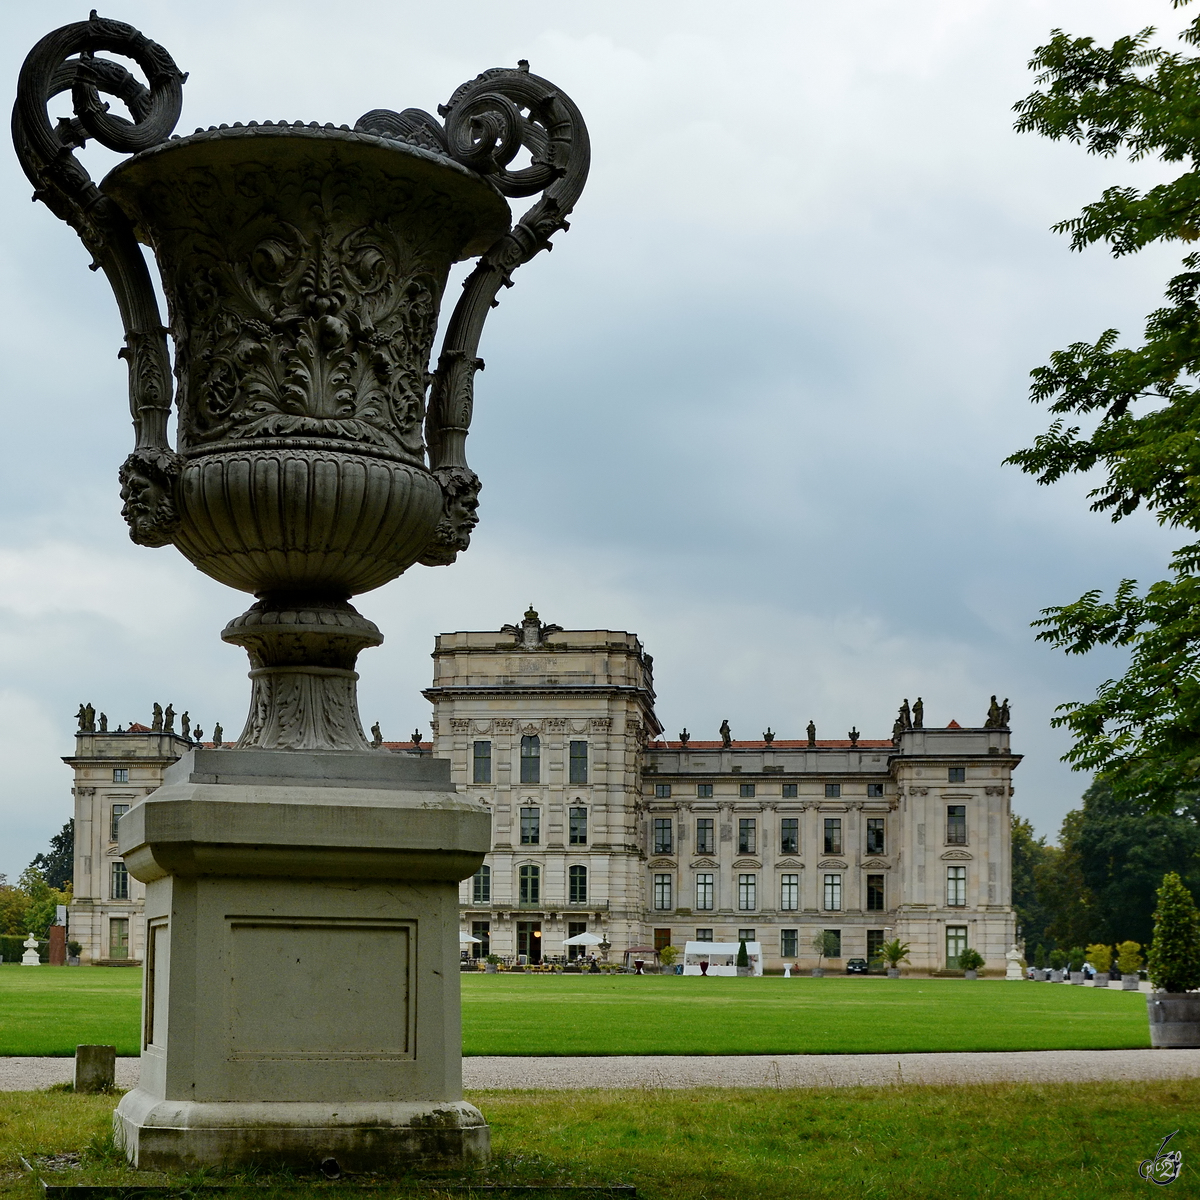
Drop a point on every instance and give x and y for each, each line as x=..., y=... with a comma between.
x=74, y=950
x=1129, y=963
x=493, y=964
x=1101, y=958
x=1039, y=964
x=1174, y=965
x=743, y=958
x=1058, y=963
x=971, y=962
x=668, y=956
x=894, y=953
x=826, y=944
x=1075, y=961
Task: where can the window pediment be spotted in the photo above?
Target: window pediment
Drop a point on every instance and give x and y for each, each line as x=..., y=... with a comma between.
x=831, y=864
x=747, y=864
x=876, y=864
x=789, y=864
x=958, y=855
x=704, y=862
x=662, y=864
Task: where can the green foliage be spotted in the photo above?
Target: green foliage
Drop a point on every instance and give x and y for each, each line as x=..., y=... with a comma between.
x=668, y=955
x=1061, y=890
x=743, y=958
x=58, y=867
x=970, y=959
x=1058, y=960
x=1174, y=958
x=12, y=947
x=1076, y=958
x=1028, y=855
x=1039, y=958
x=1129, y=958
x=827, y=944
x=1131, y=415
x=895, y=952
x=43, y=901
x=1100, y=956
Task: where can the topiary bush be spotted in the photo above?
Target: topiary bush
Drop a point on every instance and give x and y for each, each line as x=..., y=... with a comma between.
x=1039, y=958
x=1058, y=960
x=1174, y=958
x=1100, y=957
x=1129, y=958
x=1076, y=958
x=971, y=960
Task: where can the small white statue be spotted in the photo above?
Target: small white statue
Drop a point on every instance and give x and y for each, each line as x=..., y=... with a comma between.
x=1013, y=970
x=30, y=957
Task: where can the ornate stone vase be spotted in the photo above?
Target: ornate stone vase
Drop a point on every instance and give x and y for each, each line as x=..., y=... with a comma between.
x=317, y=456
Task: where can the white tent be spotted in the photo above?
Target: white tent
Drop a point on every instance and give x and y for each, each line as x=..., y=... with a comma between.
x=721, y=957
x=464, y=938
x=583, y=939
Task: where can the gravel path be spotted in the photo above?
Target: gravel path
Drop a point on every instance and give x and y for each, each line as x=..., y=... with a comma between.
x=772, y=1071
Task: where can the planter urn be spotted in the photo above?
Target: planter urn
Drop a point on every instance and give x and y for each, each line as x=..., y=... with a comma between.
x=817, y=972
x=1056, y=976
x=291, y=1013
x=1129, y=983
x=490, y=969
x=1174, y=1019
x=893, y=972
x=1077, y=977
x=1100, y=979
x=970, y=974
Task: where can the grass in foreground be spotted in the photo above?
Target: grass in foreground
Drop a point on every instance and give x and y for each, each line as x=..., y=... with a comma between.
x=1005, y=1140
x=48, y=1011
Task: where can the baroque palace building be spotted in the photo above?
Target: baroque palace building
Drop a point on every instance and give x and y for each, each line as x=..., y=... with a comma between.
x=601, y=826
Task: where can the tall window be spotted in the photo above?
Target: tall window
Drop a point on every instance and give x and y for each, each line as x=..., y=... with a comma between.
x=120, y=774
x=482, y=763
x=956, y=943
x=704, y=935
x=833, y=835
x=790, y=791
x=957, y=775
x=956, y=886
x=483, y=931
x=789, y=892
x=662, y=791
x=746, y=791
x=875, y=839
x=704, y=835
x=662, y=892
x=578, y=827
x=704, y=892
x=789, y=835
x=529, y=884
x=704, y=791
x=118, y=937
x=531, y=826
x=663, y=842
x=874, y=789
x=747, y=892
x=577, y=885
x=120, y=881
x=481, y=885
x=874, y=944
x=789, y=941
x=956, y=824
x=875, y=896
x=118, y=811
x=747, y=835
x=531, y=759
x=833, y=893
x=577, y=768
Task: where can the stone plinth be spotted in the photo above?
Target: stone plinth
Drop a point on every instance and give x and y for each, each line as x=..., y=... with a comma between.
x=301, y=996
x=95, y=1068
x=30, y=958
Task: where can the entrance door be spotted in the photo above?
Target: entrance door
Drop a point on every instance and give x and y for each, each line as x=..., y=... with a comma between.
x=574, y=929
x=529, y=940
x=956, y=943
x=118, y=937
x=483, y=931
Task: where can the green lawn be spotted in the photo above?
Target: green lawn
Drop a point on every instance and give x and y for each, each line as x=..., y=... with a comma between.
x=51, y=1009
x=1082, y=1141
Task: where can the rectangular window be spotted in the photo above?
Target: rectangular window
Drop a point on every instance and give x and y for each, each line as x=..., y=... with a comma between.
x=746, y=791
x=746, y=935
x=790, y=791
x=956, y=943
x=118, y=937
x=747, y=835
x=956, y=824
x=747, y=893
x=662, y=939
x=577, y=885
x=529, y=884
x=958, y=775
x=833, y=893
x=704, y=791
x=704, y=935
x=481, y=885
x=874, y=789
x=531, y=759
x=704, y=835
x=120, y=881
x=531, y=826
x=120, y=774
x=789, y=943
x=874, y=944
x=662, y=892
x=833, y=791
x=663, y=841
x=875, y=841
x=481, y=760
x=483, y=931
x=789, y=893
x=574, y=929
x=662, y=791
x=836, y=949
x=956, y=886
x=833, y=835
x=704, y=892
x=875, y=896
x=789, y=835
x=577, y=768
x=578, y=827
x=118, y=811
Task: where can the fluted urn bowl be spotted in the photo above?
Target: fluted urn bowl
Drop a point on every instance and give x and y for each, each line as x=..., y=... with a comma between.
x=304, y=268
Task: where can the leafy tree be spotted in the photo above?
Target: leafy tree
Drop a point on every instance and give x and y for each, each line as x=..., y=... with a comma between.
x=1058, y=960
x=1174, y=958
x=1028, y=853
x=1131, y=414
x=58, y=867
x=1039, y=958
x=826, y=944
x=43, y=900
x=1061, y=889
x=14, y=905
x=1100, y=956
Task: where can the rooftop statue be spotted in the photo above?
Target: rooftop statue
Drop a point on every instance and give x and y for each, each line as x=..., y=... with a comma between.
x=726, y=734
x=918, y=714
x=811, y=730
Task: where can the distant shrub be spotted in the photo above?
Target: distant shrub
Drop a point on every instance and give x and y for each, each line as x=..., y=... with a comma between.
x=1100, y=957
x=1129, y=958
x=1058, y=960
x=971, y=960
x=1174, y=958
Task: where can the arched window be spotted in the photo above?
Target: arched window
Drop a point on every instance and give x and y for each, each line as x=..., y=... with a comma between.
x=577, y=883
x=481, y=886
x=529, y=884
x=531, y=759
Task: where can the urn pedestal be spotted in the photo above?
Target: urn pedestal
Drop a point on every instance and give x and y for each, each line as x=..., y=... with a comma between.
x=302, y=984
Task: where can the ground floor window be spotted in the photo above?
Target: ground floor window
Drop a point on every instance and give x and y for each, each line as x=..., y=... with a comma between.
x=704, y=935
x=746, y=935
x=835, y=943
x=874, y=944
x=483, y=931
x=789, y=943
x=833, y=893
x=574, y=929
x=118, y=936
x=662, y=938
x=956, y=943
x=529, y=940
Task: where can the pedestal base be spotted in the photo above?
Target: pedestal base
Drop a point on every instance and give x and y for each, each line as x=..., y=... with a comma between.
x=178, y=1135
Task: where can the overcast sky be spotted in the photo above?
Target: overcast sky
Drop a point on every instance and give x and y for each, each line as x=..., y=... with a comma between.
x=753, y=408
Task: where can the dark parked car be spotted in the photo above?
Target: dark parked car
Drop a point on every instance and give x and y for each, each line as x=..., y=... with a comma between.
x=856, y=966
